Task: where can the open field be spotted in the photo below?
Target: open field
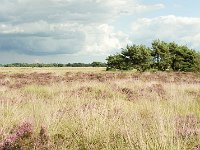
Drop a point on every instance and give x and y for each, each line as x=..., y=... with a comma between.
x=56, y=70
x=89, y=108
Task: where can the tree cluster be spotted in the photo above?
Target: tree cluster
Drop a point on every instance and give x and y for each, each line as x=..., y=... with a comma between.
x=160, y=56
x=93, y=64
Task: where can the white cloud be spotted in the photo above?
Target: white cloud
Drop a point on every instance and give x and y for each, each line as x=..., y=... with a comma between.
x=103, y=39
x=185, y=30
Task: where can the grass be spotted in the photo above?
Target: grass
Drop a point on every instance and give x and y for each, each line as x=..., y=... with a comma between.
x=56, y=70
x=99, y=110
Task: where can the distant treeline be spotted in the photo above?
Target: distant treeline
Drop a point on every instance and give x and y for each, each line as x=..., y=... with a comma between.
x=93, y=64
x=160, y=56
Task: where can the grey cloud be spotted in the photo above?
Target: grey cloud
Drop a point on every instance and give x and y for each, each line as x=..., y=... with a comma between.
x=17, y=11
x=41, y=44
x=21, y=11
x=48, y=27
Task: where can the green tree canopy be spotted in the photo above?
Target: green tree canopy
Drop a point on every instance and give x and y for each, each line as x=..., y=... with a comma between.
x=98, y=64
x=137, y=56
x=160, y=56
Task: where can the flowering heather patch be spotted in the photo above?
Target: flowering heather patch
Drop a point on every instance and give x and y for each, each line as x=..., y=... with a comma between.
x=188, y=125
x=21, y=138
x=21, y=80
x=21, y=132
x=197, y=147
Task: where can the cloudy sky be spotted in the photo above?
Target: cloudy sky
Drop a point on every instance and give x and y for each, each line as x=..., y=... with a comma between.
x=63, y=31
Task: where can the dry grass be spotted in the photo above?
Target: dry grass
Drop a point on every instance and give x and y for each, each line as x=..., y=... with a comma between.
x=55, y=70
x=94, y=109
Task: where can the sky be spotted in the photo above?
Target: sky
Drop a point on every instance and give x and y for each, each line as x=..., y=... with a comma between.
x=68, y=31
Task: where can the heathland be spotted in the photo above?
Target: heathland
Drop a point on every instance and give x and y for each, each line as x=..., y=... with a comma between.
x=89, y=108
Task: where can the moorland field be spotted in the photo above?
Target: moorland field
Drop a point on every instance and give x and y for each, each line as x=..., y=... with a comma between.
x=90, y=108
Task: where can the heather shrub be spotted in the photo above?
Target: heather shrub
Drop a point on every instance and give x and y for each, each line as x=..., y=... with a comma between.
x=23, y=138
